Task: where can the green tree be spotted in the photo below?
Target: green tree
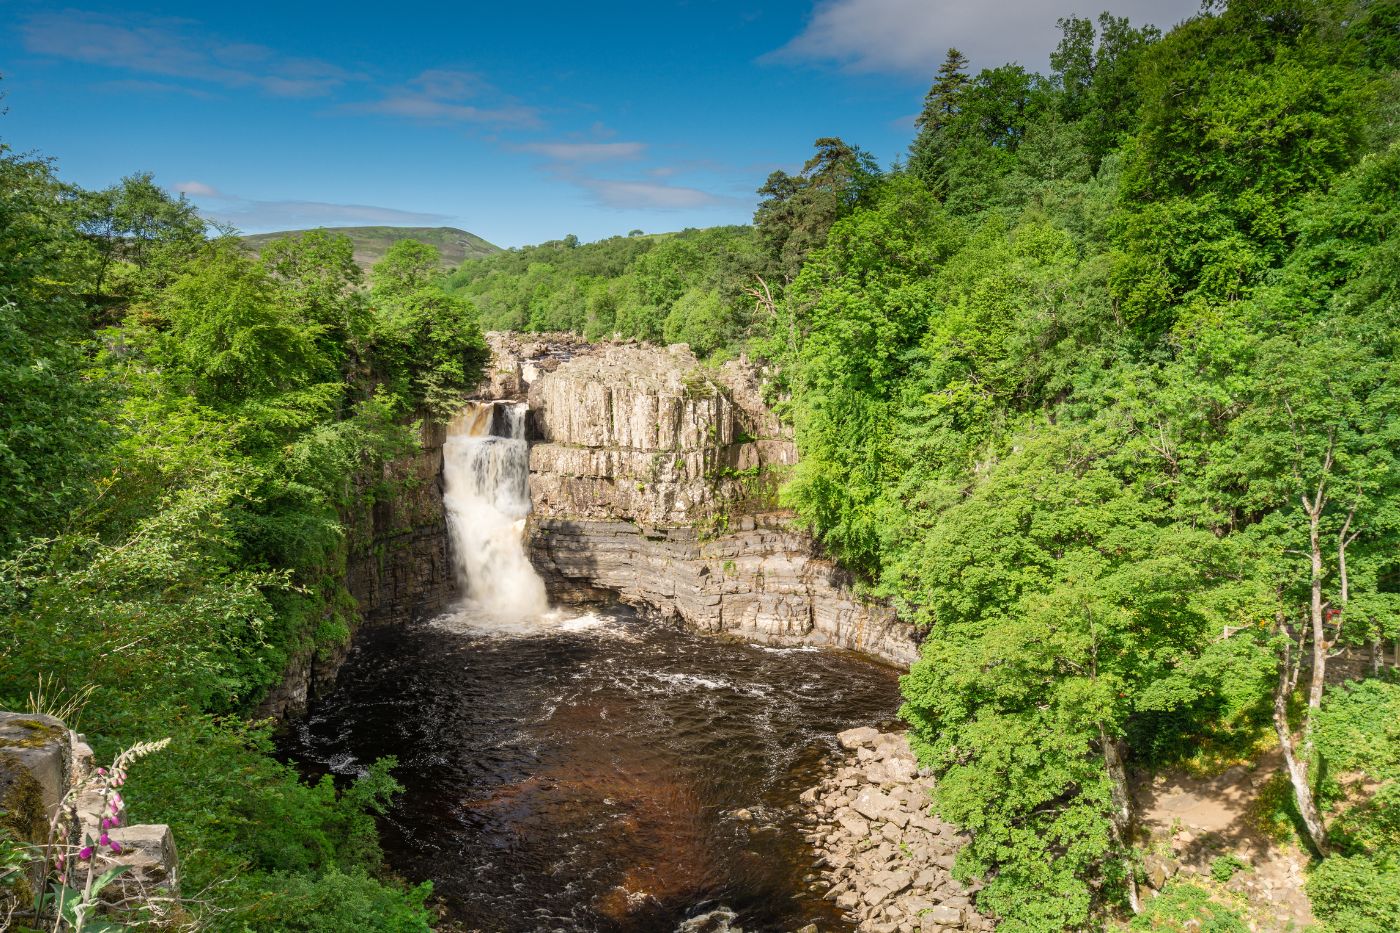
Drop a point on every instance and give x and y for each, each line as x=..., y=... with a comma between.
x=134, y=221
x=428, y=345
x=796, y=211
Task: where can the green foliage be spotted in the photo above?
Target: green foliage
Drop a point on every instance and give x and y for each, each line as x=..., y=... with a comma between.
x=50, y=424
x=1357, y=894
x=1358, y=736
x=688, y=287
x=797, y=211
x=1058, y=388
x=181, y=443
x=1183, y=906
x=428, y=343
x=1225, y=867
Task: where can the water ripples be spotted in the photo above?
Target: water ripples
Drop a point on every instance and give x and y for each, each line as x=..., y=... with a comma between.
x=584, y=774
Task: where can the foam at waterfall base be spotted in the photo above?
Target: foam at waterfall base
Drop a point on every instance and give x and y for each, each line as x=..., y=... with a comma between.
x=471, y=618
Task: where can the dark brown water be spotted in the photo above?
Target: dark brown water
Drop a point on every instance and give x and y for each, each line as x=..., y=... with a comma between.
x=583, y=776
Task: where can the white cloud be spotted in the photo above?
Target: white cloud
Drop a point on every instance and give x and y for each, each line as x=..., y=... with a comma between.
x=647, y=195
x=911, y=36
x=198, y=189
x=174, y=48
x=585, y=151
x=253, y=216
x=439, y=95
x=436, y=111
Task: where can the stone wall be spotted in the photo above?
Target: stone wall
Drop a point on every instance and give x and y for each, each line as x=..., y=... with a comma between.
x=653, y=478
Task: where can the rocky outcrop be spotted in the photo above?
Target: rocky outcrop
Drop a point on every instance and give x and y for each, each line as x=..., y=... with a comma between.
x=654, y=478
x=885, y=858
x=398, y=565
x=399, y=556
x=71, y=815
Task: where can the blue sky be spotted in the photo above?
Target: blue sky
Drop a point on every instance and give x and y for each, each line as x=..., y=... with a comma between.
x=519, y=122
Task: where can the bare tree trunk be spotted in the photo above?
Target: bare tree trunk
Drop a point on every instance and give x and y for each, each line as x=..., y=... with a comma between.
x=1122, y=812
x=1315, y=610
x=1297, y=766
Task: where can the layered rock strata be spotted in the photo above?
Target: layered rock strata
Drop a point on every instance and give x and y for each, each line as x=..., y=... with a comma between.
x=654, y=478
x=399, y=564
x=884, y=858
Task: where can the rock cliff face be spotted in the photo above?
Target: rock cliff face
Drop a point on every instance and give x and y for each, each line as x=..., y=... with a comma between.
x=654, y=478
x=398, y=565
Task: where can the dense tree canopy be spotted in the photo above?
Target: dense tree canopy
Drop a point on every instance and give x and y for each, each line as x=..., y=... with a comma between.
x=1099, y=390
x=185, y=432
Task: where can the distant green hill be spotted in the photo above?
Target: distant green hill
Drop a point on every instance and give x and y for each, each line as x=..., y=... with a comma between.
x=371, y=243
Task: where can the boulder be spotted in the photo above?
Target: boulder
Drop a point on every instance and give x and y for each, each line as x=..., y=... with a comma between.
x=944, y=915
x=871, y=804
x=35, y=751
x=854, y=825
x=149, y=849
x=855, y=738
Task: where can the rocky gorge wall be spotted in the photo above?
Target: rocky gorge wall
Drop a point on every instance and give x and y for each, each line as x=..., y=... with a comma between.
x=398, y=564
x=654, y=479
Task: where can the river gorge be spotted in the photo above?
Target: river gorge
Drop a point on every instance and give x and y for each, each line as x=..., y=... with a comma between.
x=606, y=664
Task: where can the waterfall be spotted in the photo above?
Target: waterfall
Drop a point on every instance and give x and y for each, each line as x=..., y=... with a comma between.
x=486, y=491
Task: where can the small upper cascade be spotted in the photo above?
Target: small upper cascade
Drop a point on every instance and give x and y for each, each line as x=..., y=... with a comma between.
x=486, y=492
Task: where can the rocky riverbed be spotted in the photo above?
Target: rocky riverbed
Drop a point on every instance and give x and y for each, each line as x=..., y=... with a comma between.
x=884, y=858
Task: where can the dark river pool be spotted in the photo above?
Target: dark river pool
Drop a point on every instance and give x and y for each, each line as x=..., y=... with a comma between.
x=584, y=772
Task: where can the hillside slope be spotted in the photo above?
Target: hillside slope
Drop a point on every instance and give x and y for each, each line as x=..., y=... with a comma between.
x=371, y=243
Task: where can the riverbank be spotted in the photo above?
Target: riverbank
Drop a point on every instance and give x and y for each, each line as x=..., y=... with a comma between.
x=884, y=859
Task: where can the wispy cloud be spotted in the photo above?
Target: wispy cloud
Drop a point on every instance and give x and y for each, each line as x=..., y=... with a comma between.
x=198, y=189
x=255, y=216
x=176, y=48
x=646, y=195
x=585, y=151
x=138, y=86
x=911, y=36
x=441, y=95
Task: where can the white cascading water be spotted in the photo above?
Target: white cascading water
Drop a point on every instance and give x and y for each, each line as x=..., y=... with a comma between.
x=486, y=491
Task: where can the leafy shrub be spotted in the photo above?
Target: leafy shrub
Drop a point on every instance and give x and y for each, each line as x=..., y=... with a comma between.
x=1224, y=867
x=1183, y=906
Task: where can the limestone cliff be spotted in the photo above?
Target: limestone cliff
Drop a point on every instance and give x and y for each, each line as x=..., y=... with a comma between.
x=654, y=478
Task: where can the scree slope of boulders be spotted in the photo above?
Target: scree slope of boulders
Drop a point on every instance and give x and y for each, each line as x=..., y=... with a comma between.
x=885, y=858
